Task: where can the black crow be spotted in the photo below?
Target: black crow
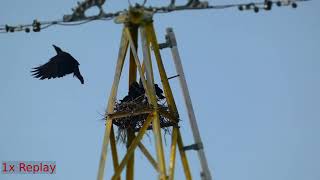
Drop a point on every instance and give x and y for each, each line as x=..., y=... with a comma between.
x=58, y=66
x=158, y=91
x=135, y=90
x=127, y=98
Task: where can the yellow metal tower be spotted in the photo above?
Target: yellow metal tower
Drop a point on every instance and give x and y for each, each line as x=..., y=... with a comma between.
x=138, y=20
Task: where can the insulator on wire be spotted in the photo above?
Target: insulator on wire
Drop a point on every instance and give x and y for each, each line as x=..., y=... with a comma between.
x=240, y=8
x=278, y=3
x=248, y=6
x=36, y=26
x=7, y=28
x=268, y=5
x=287, y=3
x=294, y=5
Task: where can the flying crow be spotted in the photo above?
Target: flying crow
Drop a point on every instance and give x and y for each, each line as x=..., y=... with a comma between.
x=58, y=66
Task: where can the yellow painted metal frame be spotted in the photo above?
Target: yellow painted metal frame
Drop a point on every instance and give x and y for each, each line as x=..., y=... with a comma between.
x=133, y=21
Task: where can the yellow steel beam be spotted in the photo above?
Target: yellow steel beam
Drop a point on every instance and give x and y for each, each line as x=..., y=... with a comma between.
x=153, y=98
x=148, y=67
x=164, y=79
x=136, y=58
x=145, y=44
x=126, y=114
x=130, y=164
x=132, y=65
x=148, y=156
x=143, y=68
x=174, y=137
x=168, y=115
x=183, y=157
x=159, y=146
x=114, y=150
x=104, y=150
x=132, y=78
x=112, y=98
x=133, y=146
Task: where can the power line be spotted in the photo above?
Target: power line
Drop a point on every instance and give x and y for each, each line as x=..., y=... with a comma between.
x=78, y=16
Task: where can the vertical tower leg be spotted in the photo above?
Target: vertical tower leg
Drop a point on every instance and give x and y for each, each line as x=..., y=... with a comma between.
x=156, y=122
x=114, y=150
x=171, y=104
x=112, y=98
x=132, y=78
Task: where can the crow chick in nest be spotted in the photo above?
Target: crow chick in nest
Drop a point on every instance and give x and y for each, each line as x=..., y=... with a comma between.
x=58, y=66
x=136, y=90
x=158, y=90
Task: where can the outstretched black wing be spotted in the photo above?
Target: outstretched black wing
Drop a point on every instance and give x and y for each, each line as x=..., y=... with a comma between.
x=58, y=66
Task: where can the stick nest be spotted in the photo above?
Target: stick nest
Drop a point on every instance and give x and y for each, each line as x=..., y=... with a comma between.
x=136, y=108
x=135, y=122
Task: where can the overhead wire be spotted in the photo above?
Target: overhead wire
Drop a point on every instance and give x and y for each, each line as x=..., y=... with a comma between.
x=40, y=25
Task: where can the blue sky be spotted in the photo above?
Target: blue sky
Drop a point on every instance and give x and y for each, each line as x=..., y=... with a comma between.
x=253, y=78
